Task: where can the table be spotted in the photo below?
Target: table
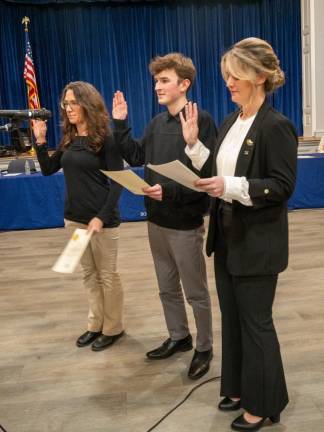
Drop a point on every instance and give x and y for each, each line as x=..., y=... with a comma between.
x=35, y=201
x=309, y=190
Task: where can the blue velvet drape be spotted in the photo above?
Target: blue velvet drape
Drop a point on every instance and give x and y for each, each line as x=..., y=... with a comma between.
x=110, y=43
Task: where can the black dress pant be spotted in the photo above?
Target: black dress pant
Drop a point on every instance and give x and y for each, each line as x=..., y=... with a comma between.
x=251, y=362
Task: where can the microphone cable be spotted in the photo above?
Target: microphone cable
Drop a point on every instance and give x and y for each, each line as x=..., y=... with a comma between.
x=183, y=400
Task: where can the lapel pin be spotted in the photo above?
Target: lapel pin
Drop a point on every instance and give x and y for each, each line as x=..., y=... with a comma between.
x=249, y=142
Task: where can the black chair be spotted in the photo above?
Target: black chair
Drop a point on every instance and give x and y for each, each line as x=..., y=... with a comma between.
x=18, y=166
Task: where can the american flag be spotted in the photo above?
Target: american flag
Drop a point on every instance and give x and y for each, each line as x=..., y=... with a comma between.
x=30, y=77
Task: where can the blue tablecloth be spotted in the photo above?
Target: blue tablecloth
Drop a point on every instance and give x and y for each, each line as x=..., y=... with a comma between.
x=309, y=190
x=36, y=201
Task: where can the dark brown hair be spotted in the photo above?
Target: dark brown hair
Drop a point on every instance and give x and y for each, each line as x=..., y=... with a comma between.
x=95, y=113
x=183, y=66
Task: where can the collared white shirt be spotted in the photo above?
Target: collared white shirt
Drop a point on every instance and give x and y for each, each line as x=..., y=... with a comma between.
x=236, y=188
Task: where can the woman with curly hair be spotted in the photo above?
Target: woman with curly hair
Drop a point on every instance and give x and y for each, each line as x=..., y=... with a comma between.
x=87, y=146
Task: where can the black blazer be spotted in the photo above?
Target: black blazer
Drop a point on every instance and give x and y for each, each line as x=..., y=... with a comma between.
x=268, y=159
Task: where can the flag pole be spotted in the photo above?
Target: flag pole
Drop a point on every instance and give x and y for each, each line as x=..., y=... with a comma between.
x=25, y=21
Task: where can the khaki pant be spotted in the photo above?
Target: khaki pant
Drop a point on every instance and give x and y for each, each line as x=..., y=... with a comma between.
x=102, y=281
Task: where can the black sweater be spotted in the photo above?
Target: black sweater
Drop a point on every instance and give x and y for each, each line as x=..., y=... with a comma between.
x=89, y=193
x=181, y=208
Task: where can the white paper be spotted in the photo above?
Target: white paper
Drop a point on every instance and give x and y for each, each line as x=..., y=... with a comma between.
x=129, y=180
x=73, y=251
x=178, y=172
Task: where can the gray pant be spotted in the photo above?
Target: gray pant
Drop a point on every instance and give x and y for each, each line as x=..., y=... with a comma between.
x=178, y=255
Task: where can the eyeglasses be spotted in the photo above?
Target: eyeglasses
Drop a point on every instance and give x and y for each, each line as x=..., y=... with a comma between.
x=72, y=104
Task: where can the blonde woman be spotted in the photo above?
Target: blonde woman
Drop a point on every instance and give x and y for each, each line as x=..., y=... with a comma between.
x=252, y=177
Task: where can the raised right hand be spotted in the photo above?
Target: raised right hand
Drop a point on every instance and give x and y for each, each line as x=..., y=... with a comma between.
x=39, y=128
x=189, y=124
x=119, y=110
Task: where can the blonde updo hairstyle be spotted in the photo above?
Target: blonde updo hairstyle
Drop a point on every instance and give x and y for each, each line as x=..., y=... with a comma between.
x=249, y=58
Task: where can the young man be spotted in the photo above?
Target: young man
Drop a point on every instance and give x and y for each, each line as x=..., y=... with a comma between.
x=175, y=213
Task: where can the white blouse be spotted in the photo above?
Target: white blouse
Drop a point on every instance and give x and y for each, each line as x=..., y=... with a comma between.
x=236, y=188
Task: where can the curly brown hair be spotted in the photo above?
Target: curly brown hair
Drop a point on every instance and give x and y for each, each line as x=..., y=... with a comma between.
x=95, y=113
x=182, y=65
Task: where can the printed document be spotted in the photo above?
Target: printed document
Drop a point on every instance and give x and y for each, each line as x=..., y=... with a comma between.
x=73, y=251
x=129, y=180
x=178, y=172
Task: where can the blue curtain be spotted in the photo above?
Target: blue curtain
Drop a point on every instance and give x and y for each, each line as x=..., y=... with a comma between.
x=38, y=2
x=110, y=44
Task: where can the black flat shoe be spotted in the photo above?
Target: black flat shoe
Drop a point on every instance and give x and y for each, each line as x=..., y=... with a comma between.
x=240, y=424
x=227, y=404
x=104, y=341
x=200, y=364
x=169, y=347
x=87, y=338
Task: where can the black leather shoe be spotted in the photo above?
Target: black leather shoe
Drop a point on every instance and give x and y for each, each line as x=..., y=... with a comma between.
x=104, y=341
x=200, y=364
x=169, y=347
x=240, y=424
x=87, y=338
x=227, y=404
